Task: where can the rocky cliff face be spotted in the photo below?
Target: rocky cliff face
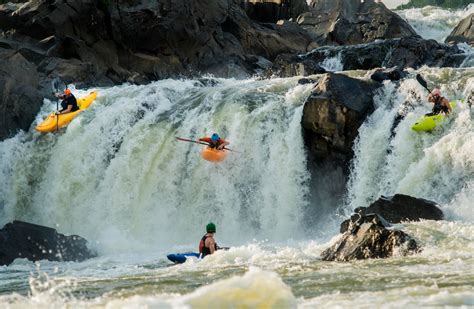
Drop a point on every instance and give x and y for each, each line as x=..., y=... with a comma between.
x=343, y=22
x=463, y=32
x=270, y=11
x=100, y=43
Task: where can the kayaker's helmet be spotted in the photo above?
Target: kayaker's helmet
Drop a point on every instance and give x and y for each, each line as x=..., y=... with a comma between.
x=67, y=91
x=211, y=227
x=215, y=137
x=436, y=92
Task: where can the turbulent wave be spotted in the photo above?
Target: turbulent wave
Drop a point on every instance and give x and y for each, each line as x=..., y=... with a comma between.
x=118, y=175
x=433, y=22
x=437, y=166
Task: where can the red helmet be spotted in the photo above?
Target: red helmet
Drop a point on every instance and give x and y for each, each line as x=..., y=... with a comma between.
x=67, y=91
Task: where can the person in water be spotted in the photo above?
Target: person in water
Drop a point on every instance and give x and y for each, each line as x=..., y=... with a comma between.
x=69, y=103
x=215, y=141
x=441, y=104
x=208, y=245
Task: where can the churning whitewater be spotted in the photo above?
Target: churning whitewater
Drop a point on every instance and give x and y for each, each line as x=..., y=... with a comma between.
x=117, y=176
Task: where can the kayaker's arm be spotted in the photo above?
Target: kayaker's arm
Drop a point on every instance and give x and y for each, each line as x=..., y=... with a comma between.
x=446, y=103
x=221, y=146
x=65, y=111
x=211, y=244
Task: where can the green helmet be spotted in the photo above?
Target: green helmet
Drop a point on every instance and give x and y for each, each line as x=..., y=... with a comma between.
x=211, y=227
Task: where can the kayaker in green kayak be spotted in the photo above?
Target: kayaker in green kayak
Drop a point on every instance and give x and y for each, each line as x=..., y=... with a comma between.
x=208, y=245
x=441, y=104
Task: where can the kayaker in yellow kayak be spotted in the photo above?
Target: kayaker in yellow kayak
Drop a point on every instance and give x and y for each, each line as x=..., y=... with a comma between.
x=441, y=104
x=69, y=103
x=215, y=141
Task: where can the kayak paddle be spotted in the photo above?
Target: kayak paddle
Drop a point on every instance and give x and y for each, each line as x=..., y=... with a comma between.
x=199, y=142
x=422, y=82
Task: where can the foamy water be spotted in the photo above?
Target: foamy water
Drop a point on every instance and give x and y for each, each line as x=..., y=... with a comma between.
x=117, y=176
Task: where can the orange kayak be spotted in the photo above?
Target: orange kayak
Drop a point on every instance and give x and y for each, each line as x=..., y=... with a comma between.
x=213, y=155
x=52, y=123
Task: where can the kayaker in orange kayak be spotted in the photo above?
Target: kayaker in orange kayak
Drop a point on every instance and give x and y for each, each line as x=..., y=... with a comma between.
x=69, y=103
x=215, y=141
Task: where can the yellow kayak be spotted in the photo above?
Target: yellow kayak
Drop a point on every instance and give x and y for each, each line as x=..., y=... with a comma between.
x=54, y=122
x=428, y=123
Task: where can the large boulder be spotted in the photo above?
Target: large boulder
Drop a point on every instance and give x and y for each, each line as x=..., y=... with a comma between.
x=463, y=32
x=35, y=242
x=368, y=237
x=343, y=22
x=334, y=112
x=331, y=117
x=399, y=208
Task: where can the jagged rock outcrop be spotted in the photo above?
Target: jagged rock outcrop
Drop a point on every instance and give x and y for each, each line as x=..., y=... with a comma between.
x=368, y=237
x=342, y=22
x=100, y=43
x=463, y=32
x=398, y=208
x=403, y=53
x=35, y=242
x=333, y=113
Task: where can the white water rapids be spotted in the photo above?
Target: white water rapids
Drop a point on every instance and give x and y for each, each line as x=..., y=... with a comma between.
x=117, y=176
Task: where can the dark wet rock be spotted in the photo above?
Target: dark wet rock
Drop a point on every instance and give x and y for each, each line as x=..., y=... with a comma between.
x=367, y=237
x=399, y=208
x=35, y=242
x=333, y=113
x=463, y=32
x=20, y=96
x=304, y=81
x=393, y=74
x=270, y=11
x=401, y=53
x=343, y=22
x=288, y=65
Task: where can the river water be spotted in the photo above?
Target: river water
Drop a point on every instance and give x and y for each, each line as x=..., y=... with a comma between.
x=118, y=177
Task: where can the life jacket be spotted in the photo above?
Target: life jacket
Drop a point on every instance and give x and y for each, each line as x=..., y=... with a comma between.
x=71, y=100
x=215, y=144
x=439, y=107
x=203, y=250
